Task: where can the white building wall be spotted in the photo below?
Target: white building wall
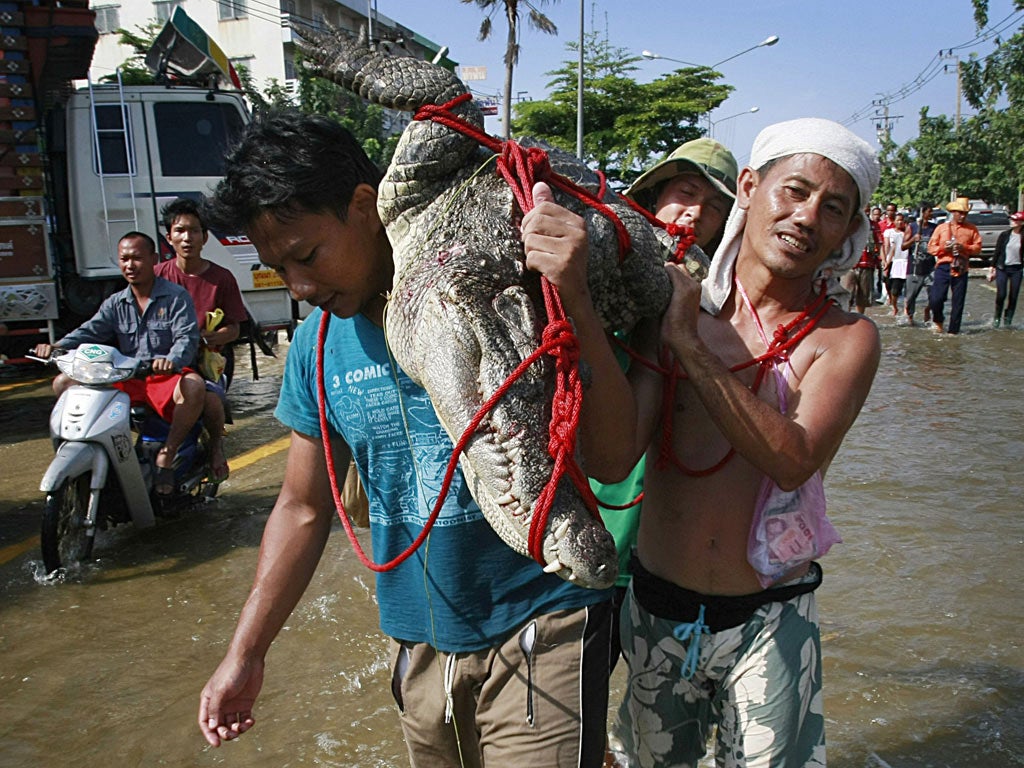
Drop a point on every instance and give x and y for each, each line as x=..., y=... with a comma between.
x=256, y=38
x=261, y=39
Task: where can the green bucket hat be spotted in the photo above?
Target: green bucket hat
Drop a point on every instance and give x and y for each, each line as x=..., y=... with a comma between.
x=706, y=156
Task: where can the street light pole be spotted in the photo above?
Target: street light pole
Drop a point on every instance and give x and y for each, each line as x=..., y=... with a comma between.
x=768, y=41
x=713, y=123
x=579, y=92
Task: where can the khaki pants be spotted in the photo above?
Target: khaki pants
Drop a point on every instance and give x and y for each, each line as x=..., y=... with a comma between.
x=545, y=711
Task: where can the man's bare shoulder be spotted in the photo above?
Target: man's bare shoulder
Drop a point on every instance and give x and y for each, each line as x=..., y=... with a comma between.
x=848, y=340
x=852, y=327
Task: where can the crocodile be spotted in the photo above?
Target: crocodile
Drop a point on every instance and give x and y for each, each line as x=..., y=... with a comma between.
x=464, y=311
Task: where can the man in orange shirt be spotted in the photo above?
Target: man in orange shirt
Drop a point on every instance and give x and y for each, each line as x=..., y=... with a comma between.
x=952, y=244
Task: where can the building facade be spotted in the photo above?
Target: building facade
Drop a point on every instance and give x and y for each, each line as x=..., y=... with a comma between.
x=257, y=34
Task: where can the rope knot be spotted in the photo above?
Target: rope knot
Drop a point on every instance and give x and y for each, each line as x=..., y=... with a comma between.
x=562, y=337
x=540, y=163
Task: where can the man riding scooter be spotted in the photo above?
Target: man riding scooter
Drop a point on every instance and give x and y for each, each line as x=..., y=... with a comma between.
x=150, y=319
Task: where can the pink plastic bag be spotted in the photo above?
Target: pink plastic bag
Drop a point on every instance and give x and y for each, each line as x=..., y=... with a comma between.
x=789, y=528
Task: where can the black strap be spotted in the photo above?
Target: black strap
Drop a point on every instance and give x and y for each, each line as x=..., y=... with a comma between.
x=670, y=601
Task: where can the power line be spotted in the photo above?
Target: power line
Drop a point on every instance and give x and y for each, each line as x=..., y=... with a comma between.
x=932, y=69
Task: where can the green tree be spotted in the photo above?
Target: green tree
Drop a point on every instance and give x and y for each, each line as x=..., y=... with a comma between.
x=537, y=20
x=365, y=121
x=970, y=160
x=626, y=123
x=922, y=168
x=994, y=86
x=134, y=70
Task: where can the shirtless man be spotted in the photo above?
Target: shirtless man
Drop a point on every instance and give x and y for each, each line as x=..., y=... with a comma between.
x=705, y=642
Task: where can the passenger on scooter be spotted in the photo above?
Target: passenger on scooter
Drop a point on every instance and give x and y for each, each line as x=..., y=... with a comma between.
x=151, y=319
x=211, y=287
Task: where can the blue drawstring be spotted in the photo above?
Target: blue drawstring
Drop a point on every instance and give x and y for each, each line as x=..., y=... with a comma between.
x=692, y=632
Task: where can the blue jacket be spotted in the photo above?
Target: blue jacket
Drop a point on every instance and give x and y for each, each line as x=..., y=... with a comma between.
x=166, y=329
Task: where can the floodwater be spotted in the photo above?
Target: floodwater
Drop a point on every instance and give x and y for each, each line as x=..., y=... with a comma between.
x=921, y=606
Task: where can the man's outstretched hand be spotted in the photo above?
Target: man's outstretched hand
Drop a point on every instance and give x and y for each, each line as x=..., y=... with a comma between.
x=225, y=705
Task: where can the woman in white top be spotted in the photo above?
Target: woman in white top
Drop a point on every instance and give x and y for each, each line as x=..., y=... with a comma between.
x=895, y=258
x=1006, y=270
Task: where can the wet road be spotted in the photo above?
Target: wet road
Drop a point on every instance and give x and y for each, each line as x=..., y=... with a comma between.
x=921, y=605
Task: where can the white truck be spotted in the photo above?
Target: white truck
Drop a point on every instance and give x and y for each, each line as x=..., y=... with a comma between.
x=112, y=156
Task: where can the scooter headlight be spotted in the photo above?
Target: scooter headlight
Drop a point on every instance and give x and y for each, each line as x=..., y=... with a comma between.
x=97, y=364
x=97, y=372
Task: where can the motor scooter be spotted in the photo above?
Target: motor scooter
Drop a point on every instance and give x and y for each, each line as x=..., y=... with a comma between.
x=91, y=426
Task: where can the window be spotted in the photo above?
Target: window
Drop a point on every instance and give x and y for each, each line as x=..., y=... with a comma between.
x=164, y=9
x=108, y=19
x=193, y=137
x=231, y=9
x=288, y=6
x=114, y=140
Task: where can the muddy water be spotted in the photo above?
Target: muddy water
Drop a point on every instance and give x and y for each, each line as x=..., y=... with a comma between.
x=921, y=606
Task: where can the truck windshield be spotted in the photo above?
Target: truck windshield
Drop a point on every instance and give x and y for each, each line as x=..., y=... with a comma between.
x=194, y=136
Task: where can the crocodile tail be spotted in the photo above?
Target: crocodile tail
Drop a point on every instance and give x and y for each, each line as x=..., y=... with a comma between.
x=335, y=54
x=389, y=79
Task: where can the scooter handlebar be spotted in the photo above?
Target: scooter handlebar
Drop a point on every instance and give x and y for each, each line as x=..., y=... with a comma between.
x=144, y=369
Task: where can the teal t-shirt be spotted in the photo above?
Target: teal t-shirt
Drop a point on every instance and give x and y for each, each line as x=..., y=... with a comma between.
x=464, y=589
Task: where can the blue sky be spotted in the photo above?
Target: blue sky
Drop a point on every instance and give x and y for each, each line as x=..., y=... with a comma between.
x=832, y=59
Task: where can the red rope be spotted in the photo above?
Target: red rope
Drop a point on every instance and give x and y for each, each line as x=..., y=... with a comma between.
x=777, y=351
x=520, y=168
x=686, y=236
x=325, y=320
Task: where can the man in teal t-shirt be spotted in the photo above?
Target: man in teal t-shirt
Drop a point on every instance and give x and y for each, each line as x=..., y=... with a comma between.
x=491, y=656
x=694, y=186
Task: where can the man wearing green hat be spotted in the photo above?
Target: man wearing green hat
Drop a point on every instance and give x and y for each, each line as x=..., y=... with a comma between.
x=694, y=186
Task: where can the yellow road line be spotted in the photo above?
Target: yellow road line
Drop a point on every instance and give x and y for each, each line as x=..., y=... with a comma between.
x=12, y=551
x=248, y=458
x=251, y=457
x=19, y=384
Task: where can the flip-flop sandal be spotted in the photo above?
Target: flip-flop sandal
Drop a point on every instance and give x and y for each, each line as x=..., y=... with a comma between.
x=163, y=481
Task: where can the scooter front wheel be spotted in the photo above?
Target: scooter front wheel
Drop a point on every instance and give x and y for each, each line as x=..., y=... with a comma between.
x=65, y=537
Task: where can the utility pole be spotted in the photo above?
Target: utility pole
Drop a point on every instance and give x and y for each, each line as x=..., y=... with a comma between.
x=884, y=121
x=947, y=68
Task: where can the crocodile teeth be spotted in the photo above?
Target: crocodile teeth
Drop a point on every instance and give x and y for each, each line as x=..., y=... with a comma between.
x=560, y=531
x=506, y=498
x=572, y=577
x=553, y=567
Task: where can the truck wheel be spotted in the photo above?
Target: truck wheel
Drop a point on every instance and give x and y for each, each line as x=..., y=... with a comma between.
x=64, y=537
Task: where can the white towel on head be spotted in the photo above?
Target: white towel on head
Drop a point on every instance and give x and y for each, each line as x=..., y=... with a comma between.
x=793, y=137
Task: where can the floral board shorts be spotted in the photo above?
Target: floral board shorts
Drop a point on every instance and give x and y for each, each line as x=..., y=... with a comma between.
x=758, y=681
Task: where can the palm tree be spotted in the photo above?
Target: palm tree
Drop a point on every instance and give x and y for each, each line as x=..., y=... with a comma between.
x=537, y=20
